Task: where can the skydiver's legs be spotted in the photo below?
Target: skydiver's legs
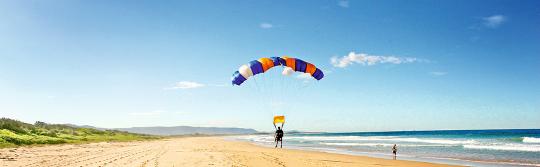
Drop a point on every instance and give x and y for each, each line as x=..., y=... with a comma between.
x=281, y=146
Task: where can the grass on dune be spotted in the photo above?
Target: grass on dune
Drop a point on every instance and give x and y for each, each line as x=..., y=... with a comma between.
x=16, y=133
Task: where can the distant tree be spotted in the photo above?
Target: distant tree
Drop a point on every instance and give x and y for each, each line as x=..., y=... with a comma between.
x=40, y=124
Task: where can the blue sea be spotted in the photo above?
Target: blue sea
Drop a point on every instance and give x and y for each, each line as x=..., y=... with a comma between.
x=515, y=147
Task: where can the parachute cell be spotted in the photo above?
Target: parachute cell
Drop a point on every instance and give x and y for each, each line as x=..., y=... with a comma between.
x=256, y=67
x=267, y=63
x=245, y=71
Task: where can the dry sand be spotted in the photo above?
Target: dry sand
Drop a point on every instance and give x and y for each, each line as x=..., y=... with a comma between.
x=189, y=151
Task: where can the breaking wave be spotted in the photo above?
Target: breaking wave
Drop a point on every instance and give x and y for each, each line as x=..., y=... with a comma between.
x=506, y=147
x=531, y=140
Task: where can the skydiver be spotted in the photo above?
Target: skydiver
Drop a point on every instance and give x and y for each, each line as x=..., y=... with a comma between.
x=279, y=137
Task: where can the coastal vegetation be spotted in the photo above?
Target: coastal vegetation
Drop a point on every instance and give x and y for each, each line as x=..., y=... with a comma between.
x=16, y=133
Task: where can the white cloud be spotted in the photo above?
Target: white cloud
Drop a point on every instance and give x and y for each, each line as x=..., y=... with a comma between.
x=344, y=4
x=438, y=73
x=365, y=59
x=218, y=85
x=187, y=85
x=494, y=21
x=266, y=25
x=150, y=113
x=287, y=71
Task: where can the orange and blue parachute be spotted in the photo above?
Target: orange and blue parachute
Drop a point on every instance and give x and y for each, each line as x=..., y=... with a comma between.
x=263, y=64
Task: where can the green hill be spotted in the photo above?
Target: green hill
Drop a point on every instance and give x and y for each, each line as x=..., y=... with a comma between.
x=17, y=133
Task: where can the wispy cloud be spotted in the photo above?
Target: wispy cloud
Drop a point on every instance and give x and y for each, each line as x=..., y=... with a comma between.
x=343, y=4
x=192, y=85
x=187, y=85
x=365, y=59
x=438, y=73
x=266, y=25
x=218, y=85
x=304, y=76
x=494, y=21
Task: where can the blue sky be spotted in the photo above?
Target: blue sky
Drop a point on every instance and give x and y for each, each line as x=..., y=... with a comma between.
x=390, y=65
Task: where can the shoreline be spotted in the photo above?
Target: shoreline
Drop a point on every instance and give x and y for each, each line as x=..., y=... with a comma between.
x=415, y=148
x=443, y=161
x=185, y=151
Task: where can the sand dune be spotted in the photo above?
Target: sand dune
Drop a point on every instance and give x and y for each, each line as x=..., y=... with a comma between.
x=192, y=151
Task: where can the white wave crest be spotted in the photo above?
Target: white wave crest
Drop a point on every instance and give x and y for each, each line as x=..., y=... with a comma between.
x=382, y=144
x=334, y=138
x=384, y=138
x=436, y=141
x=531, y=140
x=359, y=144
x=506, y=147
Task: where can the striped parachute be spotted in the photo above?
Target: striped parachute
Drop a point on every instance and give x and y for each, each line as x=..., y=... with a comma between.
x=263, y=64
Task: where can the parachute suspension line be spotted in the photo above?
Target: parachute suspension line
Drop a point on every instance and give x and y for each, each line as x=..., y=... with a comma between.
x=290, y=92
x=278, y=93
x=255, y=82
x=272, y=91
x=283, y=92
x=261, y=94
x=256, y=92
x=260, y=90
x=284, y=100
x=264, y=85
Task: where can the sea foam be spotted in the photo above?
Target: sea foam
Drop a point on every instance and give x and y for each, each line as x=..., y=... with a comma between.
x=359, y=144
x=531, y=140
x=384, y=138
x=491, y=147
x=382, y=144
x=506, y=147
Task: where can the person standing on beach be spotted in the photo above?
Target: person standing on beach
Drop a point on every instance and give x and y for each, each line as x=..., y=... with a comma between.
x=279, y=137
x=394, y=150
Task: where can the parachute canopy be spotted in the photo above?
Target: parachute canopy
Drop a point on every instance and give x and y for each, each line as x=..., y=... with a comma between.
x=263, y=64
x=279, y=119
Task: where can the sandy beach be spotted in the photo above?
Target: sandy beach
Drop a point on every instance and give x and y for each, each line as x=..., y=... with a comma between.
x=189, y=151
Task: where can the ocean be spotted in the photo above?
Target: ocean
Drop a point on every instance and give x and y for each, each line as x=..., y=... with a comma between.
x=511, y=147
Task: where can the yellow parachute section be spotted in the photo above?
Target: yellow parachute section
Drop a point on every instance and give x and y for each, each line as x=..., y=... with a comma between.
x=279, y=119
